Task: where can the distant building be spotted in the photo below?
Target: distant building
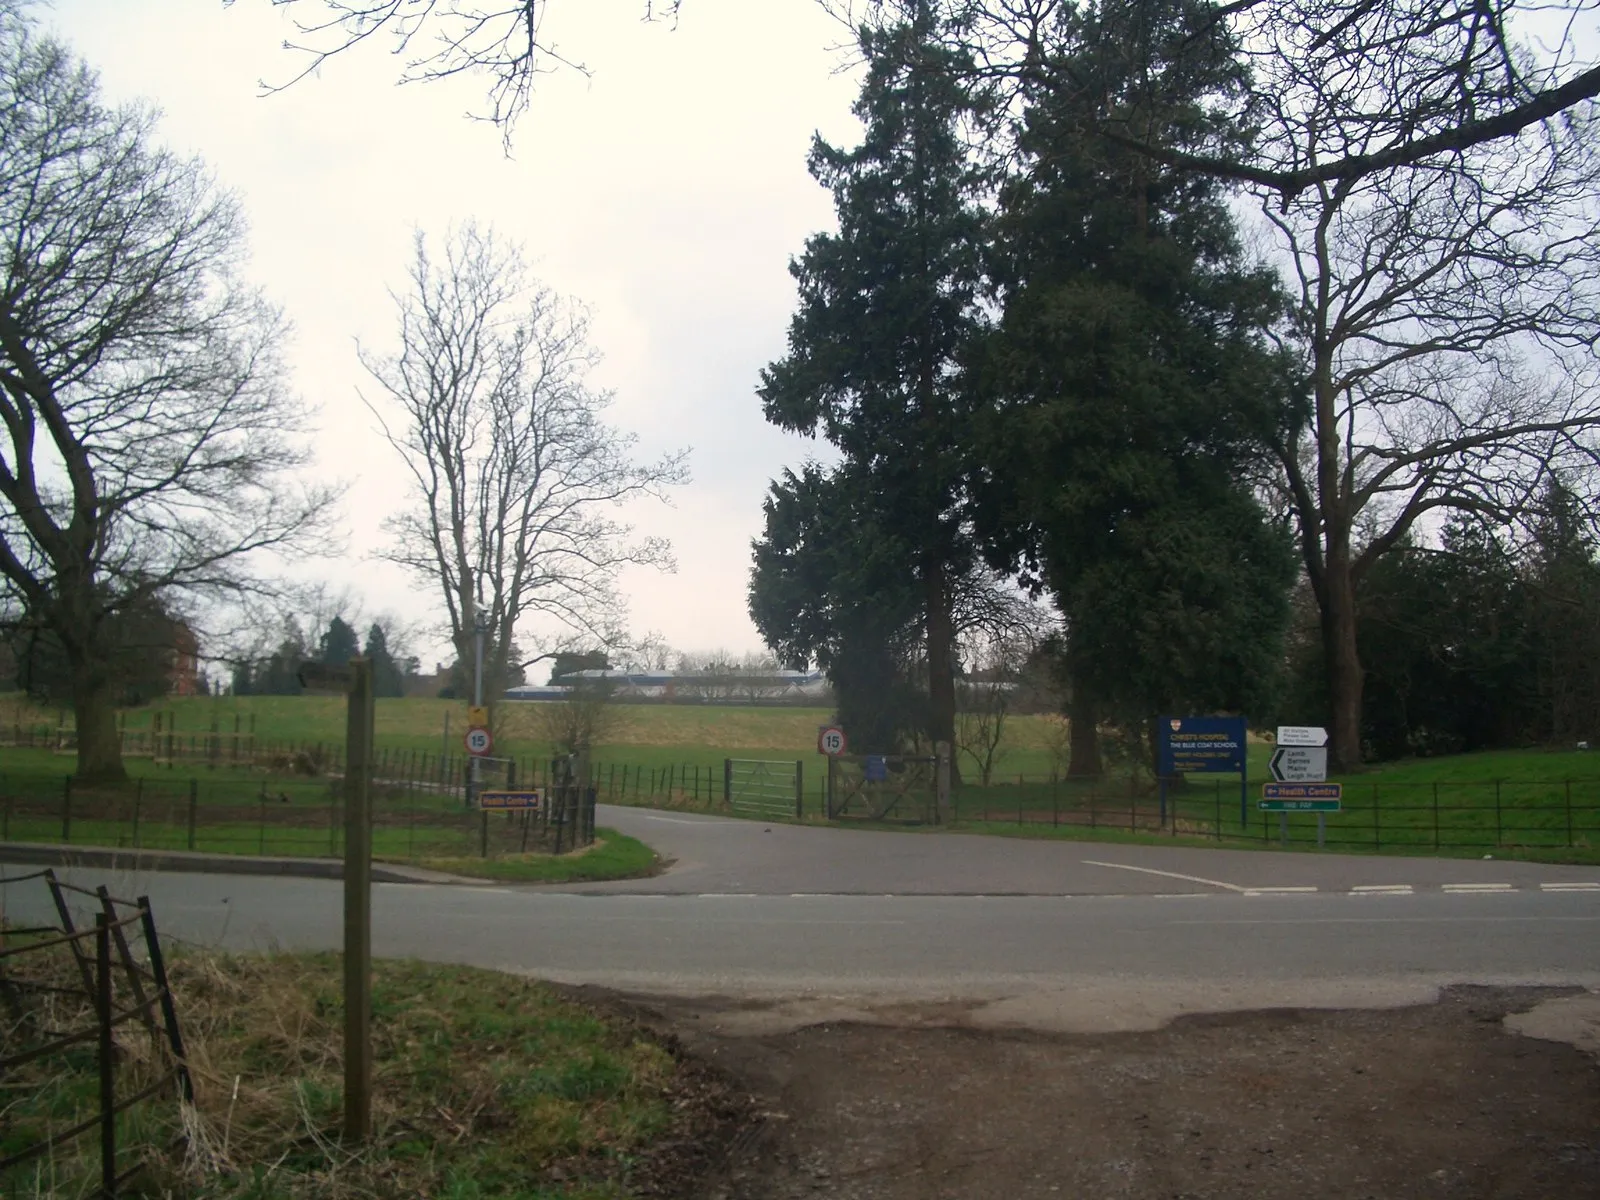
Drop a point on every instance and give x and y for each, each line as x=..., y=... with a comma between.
x=427, y=686
x=183, y=667
x=693, y=687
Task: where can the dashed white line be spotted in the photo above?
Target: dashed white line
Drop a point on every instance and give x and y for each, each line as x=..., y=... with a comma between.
x=1570, y=887
x=1466, y=888
x=1382, y=889
x=1277, y=891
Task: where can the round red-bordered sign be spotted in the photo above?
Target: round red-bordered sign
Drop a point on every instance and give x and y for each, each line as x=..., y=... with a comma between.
x=831, y=741
x=479, y=741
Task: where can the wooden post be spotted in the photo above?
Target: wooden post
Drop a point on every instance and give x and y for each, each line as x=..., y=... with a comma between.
x=358, y=904
x=941, y=771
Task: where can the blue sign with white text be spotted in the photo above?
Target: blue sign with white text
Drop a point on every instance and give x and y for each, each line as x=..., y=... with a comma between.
x=1202, y=744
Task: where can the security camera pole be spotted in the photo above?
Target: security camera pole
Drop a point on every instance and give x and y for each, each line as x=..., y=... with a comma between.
x=480, y=627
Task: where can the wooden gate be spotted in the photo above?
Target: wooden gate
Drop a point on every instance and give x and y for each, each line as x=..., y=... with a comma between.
x=883, y=787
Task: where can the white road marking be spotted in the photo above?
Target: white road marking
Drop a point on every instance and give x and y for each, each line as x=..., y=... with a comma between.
x=1381, y=889
x=1232, y=887
x=1277, y=891
x=1466, y=888
x=1570, y=887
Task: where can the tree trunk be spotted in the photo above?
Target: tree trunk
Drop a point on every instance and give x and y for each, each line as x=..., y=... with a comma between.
x=1343, y=660
x=1084, y=730
x=99, y=745
x=941, y=661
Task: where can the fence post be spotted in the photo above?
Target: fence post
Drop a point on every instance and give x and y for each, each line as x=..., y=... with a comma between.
x=1499, y=834
x=5, y=813
x=194, y=808
x=64, y=914
x=799, y=788
x=108, y=1081
x=1216, y=788
x=66, y=809
x=1377, y=834
x=169, y=1012
x=1435, y=814
x=125, y=957
x=1568, y=786
x=727, y=781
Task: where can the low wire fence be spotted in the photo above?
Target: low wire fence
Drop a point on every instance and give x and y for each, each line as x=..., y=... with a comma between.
x=1421, y=817
x=66, y=990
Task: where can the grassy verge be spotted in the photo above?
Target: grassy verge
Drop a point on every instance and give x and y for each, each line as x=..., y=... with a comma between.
x=613, y=856
x=486, y=1085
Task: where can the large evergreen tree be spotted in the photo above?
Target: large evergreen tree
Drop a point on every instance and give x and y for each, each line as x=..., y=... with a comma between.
x=834, y=585
x=1135, y=387
x=339, y=644
x=387, y=677
x=888, y=307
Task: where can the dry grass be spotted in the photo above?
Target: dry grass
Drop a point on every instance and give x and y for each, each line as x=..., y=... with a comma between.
x=485, y=1085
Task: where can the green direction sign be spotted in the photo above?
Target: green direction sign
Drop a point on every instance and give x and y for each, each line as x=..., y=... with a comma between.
x=1324, y=806
x=1301, y=797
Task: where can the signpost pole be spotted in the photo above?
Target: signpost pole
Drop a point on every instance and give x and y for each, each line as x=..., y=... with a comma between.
x=358, y=904
x=1322, y=829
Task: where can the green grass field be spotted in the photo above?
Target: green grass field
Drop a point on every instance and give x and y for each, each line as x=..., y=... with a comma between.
x=1534, y=803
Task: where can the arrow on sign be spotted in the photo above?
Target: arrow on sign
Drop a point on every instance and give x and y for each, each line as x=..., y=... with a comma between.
x=1302, y=735
x=1299, y=764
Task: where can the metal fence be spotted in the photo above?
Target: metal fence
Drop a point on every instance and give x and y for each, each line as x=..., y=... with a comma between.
x=756, y=787
x=289, y=815
x=1421, y=817
x=878, y=787
x=52, y=1009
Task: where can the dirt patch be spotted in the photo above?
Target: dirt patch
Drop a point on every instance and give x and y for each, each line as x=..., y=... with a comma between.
x=1436, y=1102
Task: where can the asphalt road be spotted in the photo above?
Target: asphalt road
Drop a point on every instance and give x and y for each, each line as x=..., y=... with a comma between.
x=722, y=855
x=1076, y=961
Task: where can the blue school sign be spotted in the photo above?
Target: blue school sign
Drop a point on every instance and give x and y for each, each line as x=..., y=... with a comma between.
x=1194, y=745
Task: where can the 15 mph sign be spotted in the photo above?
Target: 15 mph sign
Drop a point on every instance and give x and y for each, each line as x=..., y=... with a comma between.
x=830, y=740
x=478, y=741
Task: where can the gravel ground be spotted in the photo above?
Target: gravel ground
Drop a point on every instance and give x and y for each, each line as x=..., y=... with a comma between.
x=1436, y=1102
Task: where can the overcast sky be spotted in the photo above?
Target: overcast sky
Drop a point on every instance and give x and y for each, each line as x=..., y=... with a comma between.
x=667, y=191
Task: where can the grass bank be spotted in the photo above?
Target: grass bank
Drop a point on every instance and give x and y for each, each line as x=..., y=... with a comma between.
x=486, y=1085
x=612, y=856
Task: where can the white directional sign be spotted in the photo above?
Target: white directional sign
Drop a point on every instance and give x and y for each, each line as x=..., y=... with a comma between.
x=1299, y=764
x=1302, y=735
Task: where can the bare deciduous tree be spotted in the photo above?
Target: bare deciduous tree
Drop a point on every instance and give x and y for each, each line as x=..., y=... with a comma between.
x=515, y=475
x=148, y=430
x=581, y=720
x=500, y=40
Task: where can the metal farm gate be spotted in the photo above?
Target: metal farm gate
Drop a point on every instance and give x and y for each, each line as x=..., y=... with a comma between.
x=755, y=787
x=883, y=787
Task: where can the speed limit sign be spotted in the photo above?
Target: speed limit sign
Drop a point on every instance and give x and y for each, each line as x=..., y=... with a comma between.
x=479, y=741
x=830, y=741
